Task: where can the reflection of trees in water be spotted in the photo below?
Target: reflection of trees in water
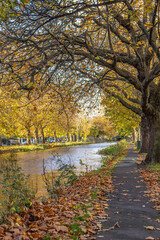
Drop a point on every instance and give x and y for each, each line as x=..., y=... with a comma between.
x=57, y=174
x=37, y=185
x=31, y=162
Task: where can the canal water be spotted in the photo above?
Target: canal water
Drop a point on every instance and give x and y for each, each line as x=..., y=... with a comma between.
x=33, y=162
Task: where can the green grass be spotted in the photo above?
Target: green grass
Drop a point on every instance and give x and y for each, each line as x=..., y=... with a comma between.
x=24, y=148
x=32, y=147
x=154, y=167
x=114, y=150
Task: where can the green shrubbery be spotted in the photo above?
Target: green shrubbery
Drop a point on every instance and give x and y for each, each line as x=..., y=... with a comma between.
x=14, y=188
x=55, y=180
x=115, y=150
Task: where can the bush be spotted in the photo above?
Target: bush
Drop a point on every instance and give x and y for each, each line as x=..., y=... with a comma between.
x=14, y=188
x=55, y=180
x=114, y=150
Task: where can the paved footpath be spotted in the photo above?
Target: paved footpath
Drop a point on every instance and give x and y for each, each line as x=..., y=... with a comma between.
x=129, y=206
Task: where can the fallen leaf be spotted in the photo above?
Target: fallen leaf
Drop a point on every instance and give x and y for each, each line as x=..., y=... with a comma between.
x=91, y=231
x=7, y=238
x=1, y=230
x=116, y=225
x=116, y=212
x=150, y=228
x=108, y=229
x=61, y=228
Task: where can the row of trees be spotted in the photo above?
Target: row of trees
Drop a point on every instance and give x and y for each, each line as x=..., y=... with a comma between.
x=47, y=117
x=110, y=44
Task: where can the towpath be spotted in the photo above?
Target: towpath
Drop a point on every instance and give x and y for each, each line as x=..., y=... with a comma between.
x=130, y=210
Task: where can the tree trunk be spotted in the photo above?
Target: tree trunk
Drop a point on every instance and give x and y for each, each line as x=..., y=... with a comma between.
x=28, y=136
x=74, y=137
x=144, y=135
x=156, y=153
x=77, y=136
x=0, y=141
x=36, y=136
x=70, y=137
x=42, y=135
x=153, y=135
x=55, y=136
x=135, y=135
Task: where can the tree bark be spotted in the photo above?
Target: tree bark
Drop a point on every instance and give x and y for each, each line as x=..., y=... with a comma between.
x=153, y=126
x=135, y=135
x=70, y=137
x=74, y=137
x=55, y=136
x=156, y=153
x=78, y=137
x=36, y=136
x=42, y=135
x=144, y=135
x=28, y=136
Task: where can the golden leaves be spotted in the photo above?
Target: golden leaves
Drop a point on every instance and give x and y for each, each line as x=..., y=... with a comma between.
x=150, y=228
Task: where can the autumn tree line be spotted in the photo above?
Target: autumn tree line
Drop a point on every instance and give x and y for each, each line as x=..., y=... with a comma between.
x=48, y=117
x=109, y=45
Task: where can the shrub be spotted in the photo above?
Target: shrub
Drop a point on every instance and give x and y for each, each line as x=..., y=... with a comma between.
x=57, y=179
x=14, y=187
x=114, y=150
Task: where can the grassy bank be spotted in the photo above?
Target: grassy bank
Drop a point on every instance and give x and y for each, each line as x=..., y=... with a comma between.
x=114, y=150
x=75, y=213
x=32, y=147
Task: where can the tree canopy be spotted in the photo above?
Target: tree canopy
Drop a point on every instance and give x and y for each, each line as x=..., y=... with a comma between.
x=111, y=44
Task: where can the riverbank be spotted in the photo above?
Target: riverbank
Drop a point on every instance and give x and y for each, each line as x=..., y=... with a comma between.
x=29, y=148
x=75, y=213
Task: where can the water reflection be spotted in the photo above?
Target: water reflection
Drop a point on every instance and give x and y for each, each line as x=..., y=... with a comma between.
x=32, y=162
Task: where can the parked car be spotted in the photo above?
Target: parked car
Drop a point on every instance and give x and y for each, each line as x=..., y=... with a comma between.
x=14, y=142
